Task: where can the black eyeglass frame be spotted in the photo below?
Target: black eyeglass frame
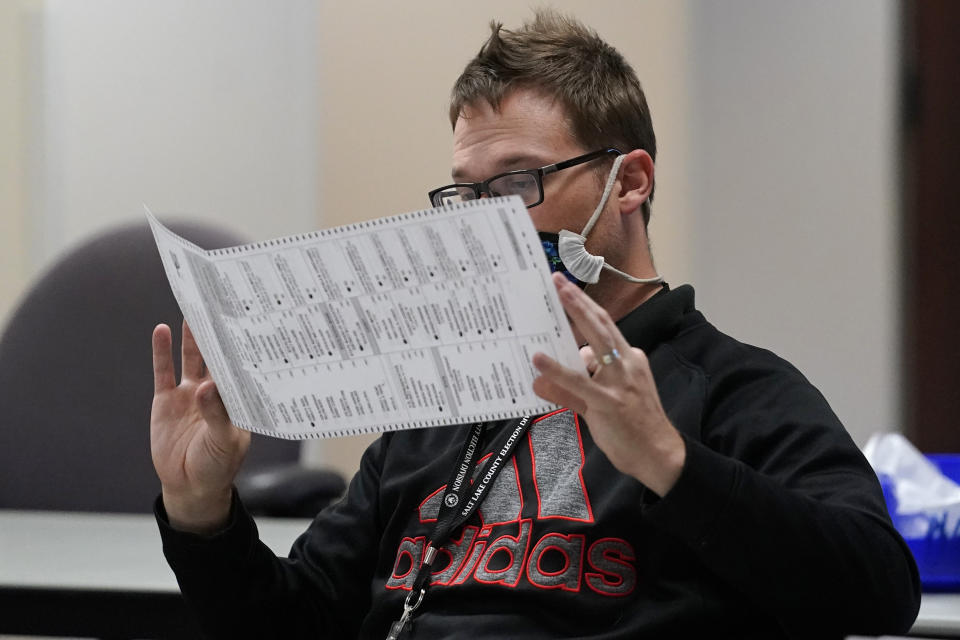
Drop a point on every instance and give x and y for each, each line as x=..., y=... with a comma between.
x=480, y=188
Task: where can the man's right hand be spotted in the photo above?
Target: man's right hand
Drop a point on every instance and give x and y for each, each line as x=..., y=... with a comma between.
x=196, y=450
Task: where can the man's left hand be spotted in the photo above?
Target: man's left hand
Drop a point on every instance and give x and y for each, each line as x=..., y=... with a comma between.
x=616, y=395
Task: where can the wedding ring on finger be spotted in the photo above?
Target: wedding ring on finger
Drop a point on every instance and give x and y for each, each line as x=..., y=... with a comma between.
x=608, y=358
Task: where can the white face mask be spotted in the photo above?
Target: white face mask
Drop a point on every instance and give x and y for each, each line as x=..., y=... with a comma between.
x=579, y=262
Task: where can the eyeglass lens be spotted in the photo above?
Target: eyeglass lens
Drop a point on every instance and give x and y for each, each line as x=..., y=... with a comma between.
x=517, y=184
x=521, y=184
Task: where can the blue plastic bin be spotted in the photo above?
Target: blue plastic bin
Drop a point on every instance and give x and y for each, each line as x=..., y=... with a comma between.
x=937, y=555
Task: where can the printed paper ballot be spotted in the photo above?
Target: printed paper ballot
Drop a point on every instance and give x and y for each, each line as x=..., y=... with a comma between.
x=424, y=319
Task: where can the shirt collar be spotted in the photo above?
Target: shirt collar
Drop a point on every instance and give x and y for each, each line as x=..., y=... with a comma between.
x=659, y=318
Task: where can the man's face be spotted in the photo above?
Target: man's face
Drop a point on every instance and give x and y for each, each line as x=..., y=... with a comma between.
x=529, y=131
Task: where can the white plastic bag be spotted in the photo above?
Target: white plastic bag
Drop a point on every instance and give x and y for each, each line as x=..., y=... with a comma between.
x=927, y=502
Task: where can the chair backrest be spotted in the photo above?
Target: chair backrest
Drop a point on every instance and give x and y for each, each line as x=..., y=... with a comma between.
x=76, y=378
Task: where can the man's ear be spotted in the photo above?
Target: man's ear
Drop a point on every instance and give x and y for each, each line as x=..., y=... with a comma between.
x=636, y=180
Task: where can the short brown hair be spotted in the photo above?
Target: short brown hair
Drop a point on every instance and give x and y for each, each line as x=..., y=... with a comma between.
x=567, y=60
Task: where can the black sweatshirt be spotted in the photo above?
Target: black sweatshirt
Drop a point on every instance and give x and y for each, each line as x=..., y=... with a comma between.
x=776, y=527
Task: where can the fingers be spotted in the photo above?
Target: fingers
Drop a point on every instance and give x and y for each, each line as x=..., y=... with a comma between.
x=193, y=367
x=164, y=377
x=589, y=359
x=558, y=395
x=563, y=385
x=592, y=320
x=211, y=406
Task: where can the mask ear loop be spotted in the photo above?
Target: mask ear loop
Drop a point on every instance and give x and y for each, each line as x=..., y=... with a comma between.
x=607, y=190
x=574, y=255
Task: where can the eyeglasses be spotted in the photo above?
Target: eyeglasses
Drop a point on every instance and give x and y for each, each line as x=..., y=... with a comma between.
x=526, y=183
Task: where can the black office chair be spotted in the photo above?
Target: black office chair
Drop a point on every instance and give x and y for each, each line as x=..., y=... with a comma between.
x=76, y=384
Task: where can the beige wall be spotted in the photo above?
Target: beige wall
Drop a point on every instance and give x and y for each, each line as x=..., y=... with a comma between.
x=15, y=18
x=796, y=192
x=110, y=104
x=386, y=73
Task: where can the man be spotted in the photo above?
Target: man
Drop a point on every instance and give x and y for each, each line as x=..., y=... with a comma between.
x=694, y=485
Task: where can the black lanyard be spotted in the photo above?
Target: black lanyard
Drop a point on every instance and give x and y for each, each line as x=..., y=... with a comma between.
x=460, y=501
